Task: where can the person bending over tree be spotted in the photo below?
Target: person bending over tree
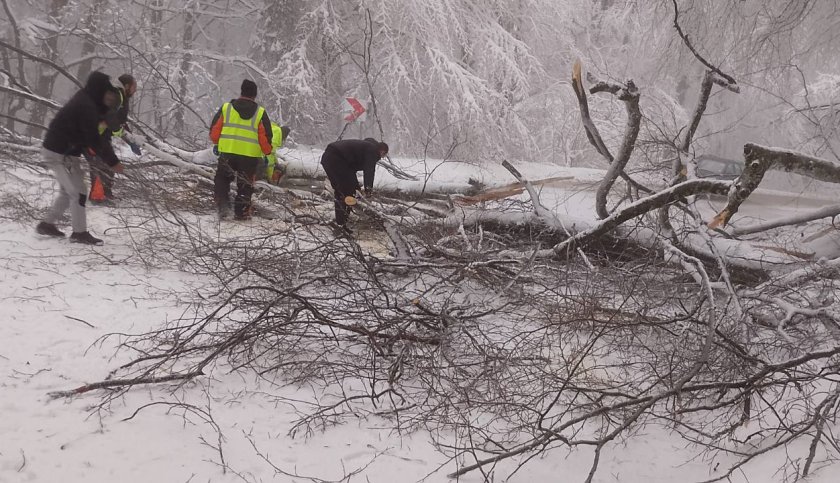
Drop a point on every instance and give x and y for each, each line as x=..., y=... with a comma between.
x=341, y=161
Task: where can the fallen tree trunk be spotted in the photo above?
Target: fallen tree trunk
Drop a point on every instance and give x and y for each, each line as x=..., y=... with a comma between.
x=825, y=212
x=639, y=208
x=505, y=191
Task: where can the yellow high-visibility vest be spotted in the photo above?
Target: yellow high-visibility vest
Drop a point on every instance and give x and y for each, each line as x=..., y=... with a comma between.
x=119, y=132
x=102, y=127
x=240, y=136
x=276, y=142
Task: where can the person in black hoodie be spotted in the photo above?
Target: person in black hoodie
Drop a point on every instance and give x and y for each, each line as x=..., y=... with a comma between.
x=74, y=130
x=241, y=133
x=341, y=160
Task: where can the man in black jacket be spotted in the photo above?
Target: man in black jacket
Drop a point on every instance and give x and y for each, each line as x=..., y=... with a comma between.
x=74, y=130
x=341, y=160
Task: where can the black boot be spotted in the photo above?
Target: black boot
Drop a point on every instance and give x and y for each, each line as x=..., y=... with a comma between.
x=49, y=229
x=340, y=231
x=225, y=213
x=85, y=237
x=109, y=202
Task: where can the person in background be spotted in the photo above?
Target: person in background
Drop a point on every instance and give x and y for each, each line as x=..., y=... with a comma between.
x=129, y=87
x=76, y=129
x=341, y=161
x=101, y=176
x=241, y=133
x=273, y=170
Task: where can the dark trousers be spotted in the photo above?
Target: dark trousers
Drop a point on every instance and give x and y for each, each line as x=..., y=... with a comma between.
x=242, y=169
x=262, y=166
x=343, y=181
x=98, y=169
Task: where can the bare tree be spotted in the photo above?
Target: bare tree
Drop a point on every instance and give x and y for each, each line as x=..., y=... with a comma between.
x=49, y=50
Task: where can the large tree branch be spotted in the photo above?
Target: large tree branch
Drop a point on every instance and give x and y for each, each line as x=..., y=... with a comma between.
x=679, y=171
x=758, y=160
x=32, y=97
x=824, y=212
x=699, y=110
x=28, y=123
x=630, y=95
x=711, y=78
x=121, y=383
x=639, y=208
x=16, y=34
x=588, y=125
x=591, y=130
x=548, y=216
x=687, y=43
x=42, y=60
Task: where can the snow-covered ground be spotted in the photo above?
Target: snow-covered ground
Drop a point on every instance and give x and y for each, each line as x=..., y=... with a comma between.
x=58, y=300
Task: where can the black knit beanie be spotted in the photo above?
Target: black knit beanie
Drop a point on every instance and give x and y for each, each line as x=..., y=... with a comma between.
x=248, y=89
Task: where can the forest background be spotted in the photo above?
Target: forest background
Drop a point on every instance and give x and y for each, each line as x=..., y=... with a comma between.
x=489, y=78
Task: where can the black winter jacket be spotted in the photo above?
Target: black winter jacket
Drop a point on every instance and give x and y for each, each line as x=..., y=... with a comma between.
x=75, y=128
x=355, y=155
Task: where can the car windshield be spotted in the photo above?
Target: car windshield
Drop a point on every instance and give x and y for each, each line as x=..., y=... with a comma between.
x=719, y=166
x=713, y=165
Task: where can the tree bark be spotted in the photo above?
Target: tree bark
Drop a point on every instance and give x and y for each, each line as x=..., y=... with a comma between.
x=630, y=95
x=38, y=100
x=155, y=23
x=639, y=208
x=51, y=63
x=825, y=212
x=591, y=130
x=12, y=106
x=89, y=47
x=46, y=80
x=681, y=171
x=184, y=67
x=758, y=160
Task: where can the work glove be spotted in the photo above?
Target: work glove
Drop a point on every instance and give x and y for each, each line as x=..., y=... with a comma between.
x=276, y=175
x=135, y=148
x=216, y=149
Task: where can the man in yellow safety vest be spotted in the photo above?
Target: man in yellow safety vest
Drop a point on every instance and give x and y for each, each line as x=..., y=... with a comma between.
x=273, y=170
x=241, y=133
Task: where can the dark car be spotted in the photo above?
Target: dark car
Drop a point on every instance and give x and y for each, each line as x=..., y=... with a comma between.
x=714, y=167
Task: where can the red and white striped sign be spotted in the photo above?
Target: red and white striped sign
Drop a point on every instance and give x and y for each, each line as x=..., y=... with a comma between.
x=352, y=109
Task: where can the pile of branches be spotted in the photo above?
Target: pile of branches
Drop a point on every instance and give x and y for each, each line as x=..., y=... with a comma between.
x=511, y=356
